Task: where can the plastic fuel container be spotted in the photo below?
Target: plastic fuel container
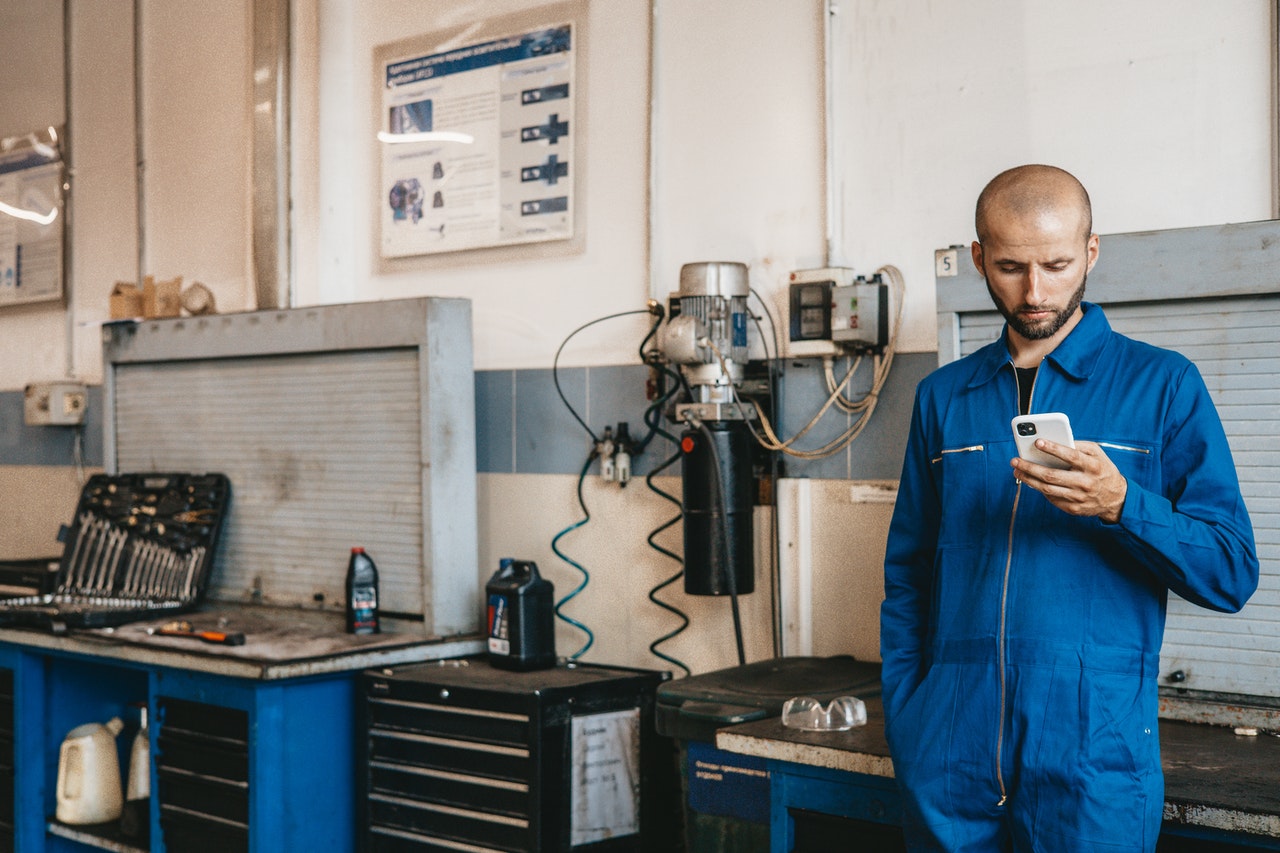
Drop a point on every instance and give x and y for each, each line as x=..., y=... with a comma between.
x=520, y=617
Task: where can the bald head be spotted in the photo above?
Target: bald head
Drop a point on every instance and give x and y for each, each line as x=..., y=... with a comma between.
x=1026, y=192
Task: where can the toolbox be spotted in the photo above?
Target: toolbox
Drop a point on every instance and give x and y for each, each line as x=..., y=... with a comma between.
x=462, y=755
x=140, y=546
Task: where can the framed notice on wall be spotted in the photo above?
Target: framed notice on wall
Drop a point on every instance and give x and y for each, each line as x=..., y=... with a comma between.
x=31, y=218
x=477, y=137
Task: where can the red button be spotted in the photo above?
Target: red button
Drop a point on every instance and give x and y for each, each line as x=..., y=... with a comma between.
x=686, y=444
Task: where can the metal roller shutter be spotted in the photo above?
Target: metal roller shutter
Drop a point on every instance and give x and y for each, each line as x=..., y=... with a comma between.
x=1235, y=342
x=338, y=426
x=323, y=450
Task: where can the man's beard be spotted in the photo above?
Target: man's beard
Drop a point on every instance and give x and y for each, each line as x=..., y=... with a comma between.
x=1044, y=328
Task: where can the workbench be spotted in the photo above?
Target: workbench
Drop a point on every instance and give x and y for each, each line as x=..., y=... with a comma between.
x=1219, y=787
x=292, y=685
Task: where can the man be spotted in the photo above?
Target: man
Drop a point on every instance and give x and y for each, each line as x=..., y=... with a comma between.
x=1024, y=605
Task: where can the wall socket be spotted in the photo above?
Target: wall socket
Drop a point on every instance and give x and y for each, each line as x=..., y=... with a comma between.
x=54, y=404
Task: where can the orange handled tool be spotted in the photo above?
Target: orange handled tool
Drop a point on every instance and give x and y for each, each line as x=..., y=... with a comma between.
x=185, y=629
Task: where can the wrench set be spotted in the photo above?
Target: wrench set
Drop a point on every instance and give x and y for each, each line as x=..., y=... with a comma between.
x=141, y=545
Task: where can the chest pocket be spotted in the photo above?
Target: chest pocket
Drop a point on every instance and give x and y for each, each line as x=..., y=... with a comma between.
x=960, y=477
x=1136, y=462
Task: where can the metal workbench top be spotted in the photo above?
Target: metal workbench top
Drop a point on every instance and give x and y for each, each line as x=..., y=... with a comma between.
x=279, y=643
x=1214, y=778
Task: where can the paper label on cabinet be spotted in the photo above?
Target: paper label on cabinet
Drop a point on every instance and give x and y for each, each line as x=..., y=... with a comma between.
x=606, y=776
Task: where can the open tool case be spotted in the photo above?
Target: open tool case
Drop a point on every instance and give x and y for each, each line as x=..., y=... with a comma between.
x=140, y=546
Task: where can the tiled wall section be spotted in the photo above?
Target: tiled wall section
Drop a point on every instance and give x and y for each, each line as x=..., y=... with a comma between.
x=49, y=445
x=523, y=427
x=40, y=476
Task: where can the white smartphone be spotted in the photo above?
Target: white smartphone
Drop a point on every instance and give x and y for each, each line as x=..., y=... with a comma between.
x=1051, y=425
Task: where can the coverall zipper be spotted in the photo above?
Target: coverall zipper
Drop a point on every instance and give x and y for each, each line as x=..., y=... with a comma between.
x=1001, y=640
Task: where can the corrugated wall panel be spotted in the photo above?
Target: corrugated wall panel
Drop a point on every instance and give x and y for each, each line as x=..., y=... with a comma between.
x=1235, y=343
x=324, y=453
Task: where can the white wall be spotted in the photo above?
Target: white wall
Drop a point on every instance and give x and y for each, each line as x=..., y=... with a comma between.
x=197, y=145
x=522, y=308
x=195, y=164
x=737, y=146
x=1162, y=109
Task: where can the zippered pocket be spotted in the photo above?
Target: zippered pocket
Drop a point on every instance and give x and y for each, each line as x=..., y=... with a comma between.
x=1125, y=448
x=973, y=448
x=1135, y=461
x=960, y=476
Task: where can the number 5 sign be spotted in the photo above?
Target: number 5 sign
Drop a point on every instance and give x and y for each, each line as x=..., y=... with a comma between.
x=944, y=263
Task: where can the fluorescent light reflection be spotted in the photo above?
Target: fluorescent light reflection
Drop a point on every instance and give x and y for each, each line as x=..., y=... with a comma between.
x=29, y=215
x=426, y=136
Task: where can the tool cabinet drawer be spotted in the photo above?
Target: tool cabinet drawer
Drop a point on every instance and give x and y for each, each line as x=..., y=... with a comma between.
x=458, y=755
x=464, y=790
x=428, y=718
x=440, y=754
x=430, y=820
x=202, y=772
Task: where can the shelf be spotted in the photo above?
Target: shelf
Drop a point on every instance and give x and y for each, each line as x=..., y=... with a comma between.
x=104, y=836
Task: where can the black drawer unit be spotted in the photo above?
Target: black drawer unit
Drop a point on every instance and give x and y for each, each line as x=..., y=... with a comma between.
x=458, y=755
x=7, y=841
x=202, y=772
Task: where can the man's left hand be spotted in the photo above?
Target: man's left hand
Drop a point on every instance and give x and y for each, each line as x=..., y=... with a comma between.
x=1093, y=486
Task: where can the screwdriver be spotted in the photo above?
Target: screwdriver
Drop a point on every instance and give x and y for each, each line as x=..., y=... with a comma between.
x=185, y=629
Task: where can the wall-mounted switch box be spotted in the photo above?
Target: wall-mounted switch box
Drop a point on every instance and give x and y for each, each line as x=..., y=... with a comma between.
x=55, y=403
x=860, y=315
x=834, y=311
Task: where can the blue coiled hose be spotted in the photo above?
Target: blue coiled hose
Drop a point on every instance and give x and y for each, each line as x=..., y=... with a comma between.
x=586, y=576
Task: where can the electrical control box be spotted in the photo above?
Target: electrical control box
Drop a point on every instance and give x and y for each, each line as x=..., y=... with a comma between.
x=834, y=310
x=54, y=404
x=860, y=315
x=809, y=310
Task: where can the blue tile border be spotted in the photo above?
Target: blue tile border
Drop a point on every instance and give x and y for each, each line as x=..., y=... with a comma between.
x=876, y=454
x=525, y=428
x=548, y=439
x=49, y=445
x=495, y=420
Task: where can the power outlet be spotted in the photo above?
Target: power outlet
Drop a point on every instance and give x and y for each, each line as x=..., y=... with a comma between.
x=54, y=404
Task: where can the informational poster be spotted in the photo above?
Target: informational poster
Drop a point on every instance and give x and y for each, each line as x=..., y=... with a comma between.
x=488, y=152
x=30, y=226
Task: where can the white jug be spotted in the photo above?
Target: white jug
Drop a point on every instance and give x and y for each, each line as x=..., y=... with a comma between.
x=89, y=774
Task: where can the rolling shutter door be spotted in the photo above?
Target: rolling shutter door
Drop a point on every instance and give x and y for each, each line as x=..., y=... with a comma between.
x=324, y=452
x=1235, y=342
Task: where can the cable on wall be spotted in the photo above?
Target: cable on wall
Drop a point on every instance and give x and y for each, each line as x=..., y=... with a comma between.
x=865, y=406
x=586, y=576
x=555, y=365
x=653, y=593
x=582, y=476
x=653, y=419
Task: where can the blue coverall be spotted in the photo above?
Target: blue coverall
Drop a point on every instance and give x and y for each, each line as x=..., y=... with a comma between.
x=1020, y=643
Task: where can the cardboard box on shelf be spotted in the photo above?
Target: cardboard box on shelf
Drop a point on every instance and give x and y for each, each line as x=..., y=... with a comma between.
x=161, y=298
x=125, y=301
